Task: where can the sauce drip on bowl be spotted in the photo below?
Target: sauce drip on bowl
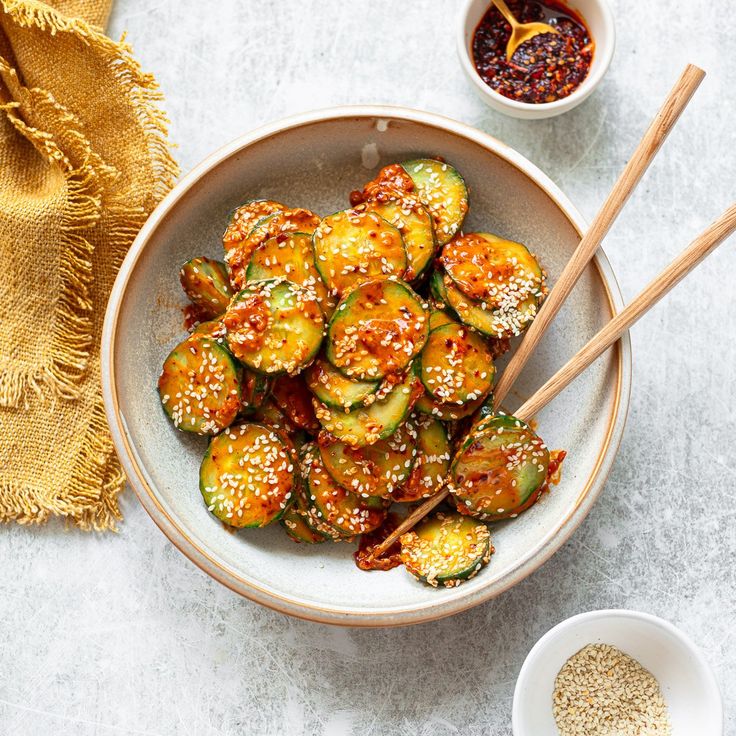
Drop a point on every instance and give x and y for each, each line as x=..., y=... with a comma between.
x=546, y=68
x=368, y=542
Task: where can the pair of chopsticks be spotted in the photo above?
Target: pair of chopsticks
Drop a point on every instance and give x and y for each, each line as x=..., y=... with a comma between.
x=701, y=247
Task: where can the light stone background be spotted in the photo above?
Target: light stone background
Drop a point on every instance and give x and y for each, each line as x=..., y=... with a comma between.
x=120, y=634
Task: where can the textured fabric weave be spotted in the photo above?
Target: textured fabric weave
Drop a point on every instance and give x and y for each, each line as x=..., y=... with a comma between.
x=83, y=160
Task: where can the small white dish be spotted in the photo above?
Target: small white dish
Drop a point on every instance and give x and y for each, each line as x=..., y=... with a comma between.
x=599, y=20
x=685, y=678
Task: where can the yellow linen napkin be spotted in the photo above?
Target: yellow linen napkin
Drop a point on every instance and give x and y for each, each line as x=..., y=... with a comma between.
x=83, y=160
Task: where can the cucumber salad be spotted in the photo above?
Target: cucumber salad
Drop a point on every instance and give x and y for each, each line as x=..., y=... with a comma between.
x=344, y=365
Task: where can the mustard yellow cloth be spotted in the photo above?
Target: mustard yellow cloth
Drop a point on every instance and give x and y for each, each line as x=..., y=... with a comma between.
x=83, y=160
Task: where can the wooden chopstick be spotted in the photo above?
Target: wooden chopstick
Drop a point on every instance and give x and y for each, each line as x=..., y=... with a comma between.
x=665, y=119
x=701, y=247
x=644, y=154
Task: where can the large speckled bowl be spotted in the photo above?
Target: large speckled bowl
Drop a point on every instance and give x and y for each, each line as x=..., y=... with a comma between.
x=314, y=161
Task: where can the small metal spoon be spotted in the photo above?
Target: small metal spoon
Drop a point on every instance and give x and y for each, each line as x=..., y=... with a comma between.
x=520, y=32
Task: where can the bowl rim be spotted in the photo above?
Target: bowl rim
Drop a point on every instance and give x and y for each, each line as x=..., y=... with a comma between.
x=527, y=668
x=322, y=613
x=538, y=109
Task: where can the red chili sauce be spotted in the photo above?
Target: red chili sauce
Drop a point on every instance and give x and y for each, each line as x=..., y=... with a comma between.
x=368, y=542
x=546, y=68
x=193, y=316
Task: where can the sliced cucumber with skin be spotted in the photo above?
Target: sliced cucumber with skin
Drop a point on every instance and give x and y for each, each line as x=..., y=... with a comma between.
x=290, y=256
x=294, y=399
x=306, y=455
x=495, y=323
x=248, y=475
x=442, y=191
x=336, y=390
x=199, y=386
x=380, y=420
x=501, y=273
x=280, y=223
x=243, y=219
x=274, y=326
x=212, y=328
x=426, y=404
x=255, y=389
x=296, y=527
x=439, y=317
x=446, y=549
x=376, y=470
x=378, y=329
x=499, y=469
x=409, y=216
x=354, y=246
x=295, y=521
x=206, y=284
x=432, y=461
x=346, y=512
x=484, y=411
x=270, y=414
x=456, y=365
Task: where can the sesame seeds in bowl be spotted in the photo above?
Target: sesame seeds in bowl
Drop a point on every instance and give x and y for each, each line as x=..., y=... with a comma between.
x=616, y=672
x=316, y=158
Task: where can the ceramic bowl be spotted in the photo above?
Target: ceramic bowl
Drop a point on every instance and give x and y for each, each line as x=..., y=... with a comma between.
x=685, y=678
x=315, y=160
x=599, y=19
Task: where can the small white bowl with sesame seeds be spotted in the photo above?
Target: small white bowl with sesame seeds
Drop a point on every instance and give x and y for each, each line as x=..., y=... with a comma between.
x=598, y=18
x=685, y=678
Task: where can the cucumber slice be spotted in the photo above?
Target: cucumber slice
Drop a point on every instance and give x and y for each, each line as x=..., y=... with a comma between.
x=296, y=220
x=248, y=476
x=295, y=521
x=293, y=398
x=274, y=326
x=442, y=191
x=446, y=549
x=255, y=389
x=456, y=365
x=199, y=386
x=484, y=411
x=212, y=328
x=376, y=330
x=297, y=528
x=311, y=516
x=498, y=272
x=354, y=246
x=500, y=469
x=243, y=219
x=270, y=414
x=376, y=470
x=439, y=317
x=346, y=512
x=335, y=390
x=426, y=404
x=206, y=284
x=409, y=216
x=496, y=323
x=290, y=256
x=432, y=461
x=380, y=420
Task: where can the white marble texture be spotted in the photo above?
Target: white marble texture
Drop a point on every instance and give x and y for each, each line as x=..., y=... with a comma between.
x=119, y=634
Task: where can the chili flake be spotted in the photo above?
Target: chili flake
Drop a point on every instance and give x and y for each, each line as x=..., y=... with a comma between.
x=546, y=68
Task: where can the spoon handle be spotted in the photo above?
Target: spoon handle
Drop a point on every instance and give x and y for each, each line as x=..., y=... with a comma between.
x=644, y=154
x=506, y=12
